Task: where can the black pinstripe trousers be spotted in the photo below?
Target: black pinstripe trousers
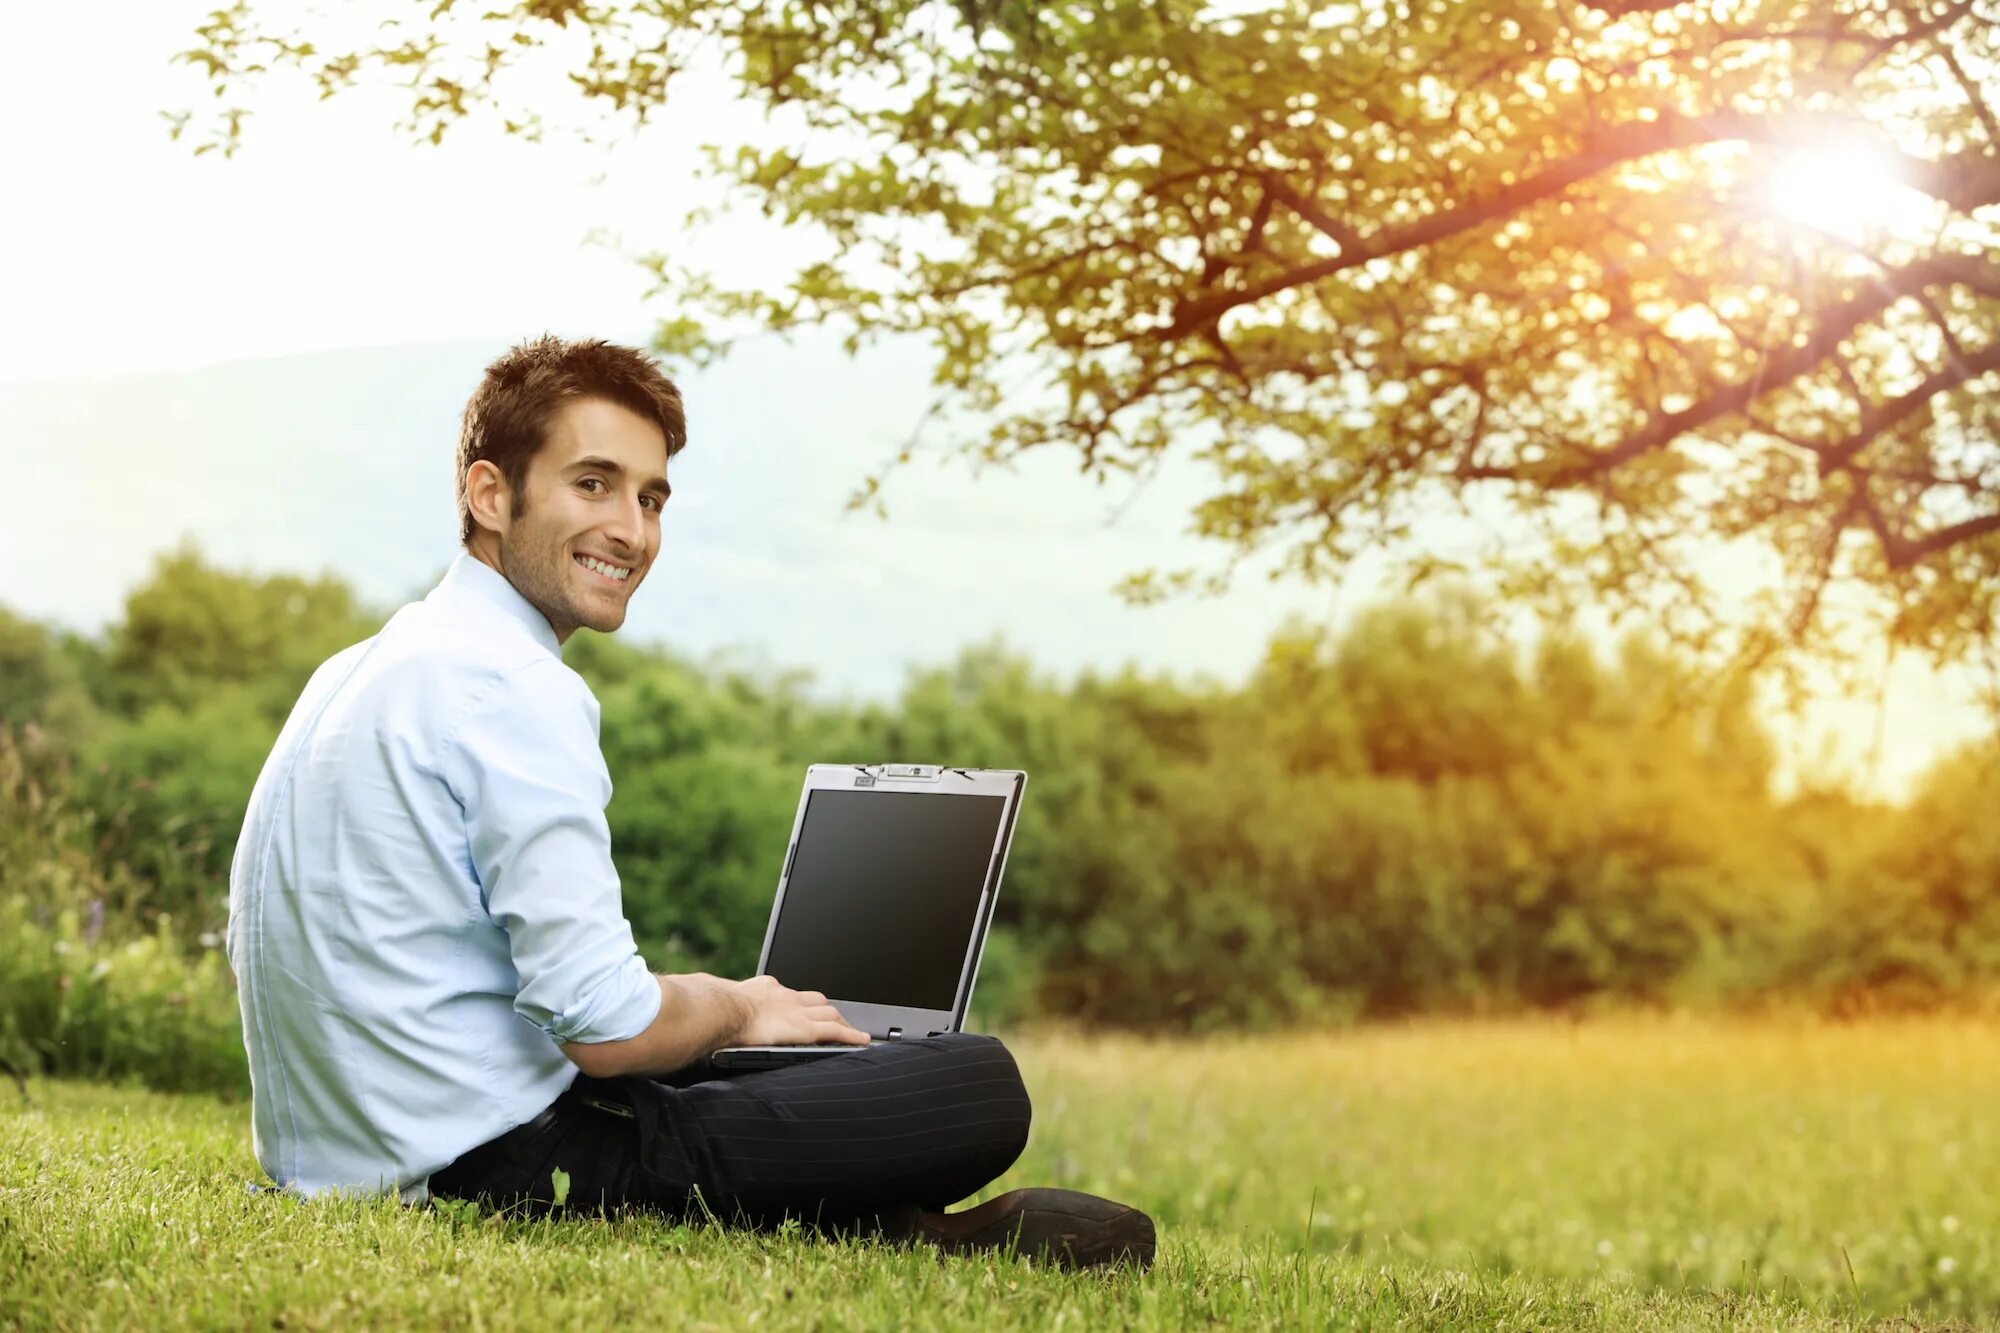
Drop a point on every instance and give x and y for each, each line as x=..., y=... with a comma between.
x=843, y=1142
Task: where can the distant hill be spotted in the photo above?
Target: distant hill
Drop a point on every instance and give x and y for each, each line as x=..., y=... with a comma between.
x=342, y=461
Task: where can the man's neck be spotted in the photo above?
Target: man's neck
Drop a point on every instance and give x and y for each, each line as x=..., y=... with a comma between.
x=486, y=551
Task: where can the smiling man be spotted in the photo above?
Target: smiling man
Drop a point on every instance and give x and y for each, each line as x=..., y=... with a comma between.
x=440, y=992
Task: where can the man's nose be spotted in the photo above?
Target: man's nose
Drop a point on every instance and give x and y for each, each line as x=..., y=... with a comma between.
x=628, y=525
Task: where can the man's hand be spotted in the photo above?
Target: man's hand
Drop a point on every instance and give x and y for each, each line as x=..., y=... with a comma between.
x=781, y=1016
x=703, y=982
x=700, y=1012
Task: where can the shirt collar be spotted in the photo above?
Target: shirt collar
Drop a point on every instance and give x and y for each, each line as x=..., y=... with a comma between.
x=471, y=582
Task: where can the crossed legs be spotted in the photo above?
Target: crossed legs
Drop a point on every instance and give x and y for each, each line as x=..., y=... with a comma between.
x=841, y=1141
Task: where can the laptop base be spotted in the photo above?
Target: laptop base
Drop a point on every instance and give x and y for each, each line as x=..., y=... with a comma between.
x=774, y=1057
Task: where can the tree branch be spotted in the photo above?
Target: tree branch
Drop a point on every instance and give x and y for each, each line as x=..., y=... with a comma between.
x=1901, y=552
x=1602, y=151
x=1346, y=237
x=1968, y=180
x=1877, y=419
x=1972, y=95
x=1834, y=325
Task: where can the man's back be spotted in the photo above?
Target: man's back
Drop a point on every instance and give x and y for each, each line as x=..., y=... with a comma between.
x=422, y=902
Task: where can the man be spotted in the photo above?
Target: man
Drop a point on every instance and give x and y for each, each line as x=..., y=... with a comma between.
x=440, y=992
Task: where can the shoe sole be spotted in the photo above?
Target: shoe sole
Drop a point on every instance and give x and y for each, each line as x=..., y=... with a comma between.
x=1068, y=1228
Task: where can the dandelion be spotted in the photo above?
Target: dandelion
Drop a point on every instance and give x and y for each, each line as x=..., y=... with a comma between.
x=1946, y=1264
x=1604, y=1247
x=1950, y=1223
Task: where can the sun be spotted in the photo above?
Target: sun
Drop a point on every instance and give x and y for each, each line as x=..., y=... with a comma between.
x=1848, y=190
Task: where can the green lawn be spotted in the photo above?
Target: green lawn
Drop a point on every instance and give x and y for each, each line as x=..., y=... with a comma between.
x=1619, y=1173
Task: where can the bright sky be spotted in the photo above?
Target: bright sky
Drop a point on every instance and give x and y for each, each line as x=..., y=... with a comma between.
x=122, y=251
x=119, y=251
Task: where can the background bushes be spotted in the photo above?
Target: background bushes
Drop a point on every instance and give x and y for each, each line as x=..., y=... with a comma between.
x=1410, y=816
x=86, y=988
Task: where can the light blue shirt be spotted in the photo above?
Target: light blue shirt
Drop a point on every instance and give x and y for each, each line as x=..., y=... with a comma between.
x=422, y=902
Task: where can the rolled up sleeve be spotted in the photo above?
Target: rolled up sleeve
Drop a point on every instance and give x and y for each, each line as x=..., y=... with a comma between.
x=525, y=765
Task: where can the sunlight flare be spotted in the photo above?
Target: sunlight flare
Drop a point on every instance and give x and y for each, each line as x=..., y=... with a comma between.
x=1845, y=189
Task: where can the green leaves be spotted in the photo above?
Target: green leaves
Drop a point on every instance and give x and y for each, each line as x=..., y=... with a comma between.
x=192, y=626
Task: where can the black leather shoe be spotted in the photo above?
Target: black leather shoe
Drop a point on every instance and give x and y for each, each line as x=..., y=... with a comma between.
x=1067, y=1228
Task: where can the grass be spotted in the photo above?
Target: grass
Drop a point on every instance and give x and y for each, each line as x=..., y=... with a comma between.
x=1620, y=1173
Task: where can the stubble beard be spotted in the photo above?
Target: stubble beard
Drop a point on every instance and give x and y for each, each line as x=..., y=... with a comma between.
x=540, y=572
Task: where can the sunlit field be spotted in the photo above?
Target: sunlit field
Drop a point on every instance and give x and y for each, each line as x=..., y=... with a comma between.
x=1613, y=1173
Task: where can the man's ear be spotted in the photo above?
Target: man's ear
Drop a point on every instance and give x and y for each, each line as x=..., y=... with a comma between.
x=487, y=496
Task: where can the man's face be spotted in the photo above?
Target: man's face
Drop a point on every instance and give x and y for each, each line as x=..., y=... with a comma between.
x=589, y=504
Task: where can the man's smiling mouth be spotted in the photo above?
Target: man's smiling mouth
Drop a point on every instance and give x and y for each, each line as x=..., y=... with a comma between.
x=604, y=569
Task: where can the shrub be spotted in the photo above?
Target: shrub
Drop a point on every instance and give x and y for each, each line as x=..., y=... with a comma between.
x=79, y=1004
x=84, y=991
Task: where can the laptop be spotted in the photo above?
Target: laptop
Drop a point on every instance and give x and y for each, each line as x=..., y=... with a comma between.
x=886, y=897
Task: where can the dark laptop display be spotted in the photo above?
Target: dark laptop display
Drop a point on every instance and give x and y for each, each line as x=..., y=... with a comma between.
x=884, y=894
x=885, y=899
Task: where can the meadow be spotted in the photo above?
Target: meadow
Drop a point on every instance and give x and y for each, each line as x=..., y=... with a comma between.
x=1616, y=1172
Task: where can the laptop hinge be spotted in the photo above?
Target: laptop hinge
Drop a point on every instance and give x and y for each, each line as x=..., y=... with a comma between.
x=895, y=1034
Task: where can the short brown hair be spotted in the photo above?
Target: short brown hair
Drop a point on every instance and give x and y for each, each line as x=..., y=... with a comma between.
x=507, y=417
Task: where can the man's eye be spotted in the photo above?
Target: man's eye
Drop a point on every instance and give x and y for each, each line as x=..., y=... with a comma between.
x=654, y=500
x=590, y=481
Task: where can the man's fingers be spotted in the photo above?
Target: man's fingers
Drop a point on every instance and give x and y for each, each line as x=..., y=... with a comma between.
x=802, y=1017
x=828, y=1025
x=842, y=1031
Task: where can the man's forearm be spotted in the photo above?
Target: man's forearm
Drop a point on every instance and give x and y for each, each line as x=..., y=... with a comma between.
x=698, y=1014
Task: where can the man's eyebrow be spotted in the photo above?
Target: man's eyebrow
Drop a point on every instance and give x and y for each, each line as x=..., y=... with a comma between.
x=596, y=464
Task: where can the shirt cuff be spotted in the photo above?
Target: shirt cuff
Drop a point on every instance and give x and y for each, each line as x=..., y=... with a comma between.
x=620, y=1008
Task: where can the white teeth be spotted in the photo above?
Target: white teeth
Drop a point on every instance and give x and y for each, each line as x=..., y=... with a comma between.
x=598, y=566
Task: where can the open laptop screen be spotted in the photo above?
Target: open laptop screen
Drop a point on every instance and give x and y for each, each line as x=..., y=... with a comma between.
x=884, y=895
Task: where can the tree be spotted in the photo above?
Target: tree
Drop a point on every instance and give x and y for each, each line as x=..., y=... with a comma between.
x=40, y=684
x=193, y=685
x=192, y=628
x=1551, y=266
